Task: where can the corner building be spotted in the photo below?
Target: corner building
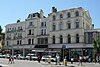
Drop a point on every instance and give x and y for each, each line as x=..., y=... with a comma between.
x=62, y=31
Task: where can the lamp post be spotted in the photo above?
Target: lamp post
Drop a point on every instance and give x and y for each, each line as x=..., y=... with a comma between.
x=63, y=47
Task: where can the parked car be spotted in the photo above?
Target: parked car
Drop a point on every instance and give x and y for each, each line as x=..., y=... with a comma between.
x=7, y=55
x=31, y=57
x=46, y=57
x=1, y=56
x=20, y=57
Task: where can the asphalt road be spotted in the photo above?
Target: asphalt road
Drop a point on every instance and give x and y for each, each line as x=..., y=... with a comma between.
x=27, y=63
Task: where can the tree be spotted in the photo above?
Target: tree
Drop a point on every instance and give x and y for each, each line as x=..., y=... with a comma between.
x=96, y=45
x=0, y=29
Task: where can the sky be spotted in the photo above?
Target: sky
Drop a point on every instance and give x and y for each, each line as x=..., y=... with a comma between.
x=12, y=10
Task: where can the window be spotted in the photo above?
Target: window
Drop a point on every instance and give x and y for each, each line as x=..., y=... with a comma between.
x=77, y=24
x=20, y=42
x=44, y=31
x=60, y=26
x=46, y=40
x=17, y=42
x=32, y=31
x=69, y=39
x=68, y=25
x=30, y=24
x=53, y=39
x=42, y=24
x=18, y=28
x=68, y=15
x=41, y=31
x=29, y=41
x=61, y=39
x=53, y=27
x=61, y=16
x=42, y=40
x=54, y=17
x=76, y=13
x=77, y=38
x=21, y=27
x=32, y=41
x=7, y=43
x=29, y=32
x=45, y=24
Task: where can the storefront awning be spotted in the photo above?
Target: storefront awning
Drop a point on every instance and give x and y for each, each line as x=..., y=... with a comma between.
x=41, y=46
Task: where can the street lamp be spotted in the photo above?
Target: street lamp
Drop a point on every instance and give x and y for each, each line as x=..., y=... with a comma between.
x=63, y=47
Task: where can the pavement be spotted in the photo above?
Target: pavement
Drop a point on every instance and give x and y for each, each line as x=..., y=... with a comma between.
x=27, y=63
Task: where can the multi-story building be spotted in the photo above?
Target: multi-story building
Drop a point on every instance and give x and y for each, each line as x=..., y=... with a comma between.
x=2, y=40
x=59, y=30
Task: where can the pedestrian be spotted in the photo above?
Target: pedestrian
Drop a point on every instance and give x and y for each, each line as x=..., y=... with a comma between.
x=49, y=59
x=39, y=59
x=56, y=60
x=99, y=59
x=30, y=57
x=80, y=60
x=10, y=61
x=72, y=60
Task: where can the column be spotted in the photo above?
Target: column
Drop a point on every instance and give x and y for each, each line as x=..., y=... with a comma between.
x=23, y=52
x=12, y=52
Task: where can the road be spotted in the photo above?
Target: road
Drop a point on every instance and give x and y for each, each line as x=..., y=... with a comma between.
x=27, y=63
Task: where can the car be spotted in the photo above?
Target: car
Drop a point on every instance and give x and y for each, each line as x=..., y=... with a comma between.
x=20, y=57
x=7, y=55
x=1, y=56
x=46, y=57
x=31, y=57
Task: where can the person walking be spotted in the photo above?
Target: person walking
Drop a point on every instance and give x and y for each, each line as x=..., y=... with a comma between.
x=72, y=60
x=10, y=61
x=39, y=59
x=80, y=60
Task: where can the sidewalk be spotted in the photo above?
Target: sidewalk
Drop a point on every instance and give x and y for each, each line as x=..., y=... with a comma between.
x=53, y=64
x=75, y=64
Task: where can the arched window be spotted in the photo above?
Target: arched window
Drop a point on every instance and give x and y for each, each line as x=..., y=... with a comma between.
x=69, y=38
x=76, y=13
x=53, y=39
x=68, y=15
x=61, y=39
x=53, y=27
x=77, y=38
x=61, y=16
x=54, y=17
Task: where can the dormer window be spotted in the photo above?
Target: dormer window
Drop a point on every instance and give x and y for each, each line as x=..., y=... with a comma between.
x=61, y=16
x=76, y=13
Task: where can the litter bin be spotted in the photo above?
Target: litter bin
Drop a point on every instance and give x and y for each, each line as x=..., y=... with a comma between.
x=65, y=62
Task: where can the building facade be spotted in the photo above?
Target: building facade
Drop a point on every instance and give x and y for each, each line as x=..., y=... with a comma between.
x=65, y=29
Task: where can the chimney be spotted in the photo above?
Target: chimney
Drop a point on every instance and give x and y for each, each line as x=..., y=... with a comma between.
x=54, y=9
x=18, y=21
x=41, y=13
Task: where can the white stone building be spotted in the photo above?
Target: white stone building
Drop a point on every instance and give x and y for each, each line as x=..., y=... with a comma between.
x=59, y=29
